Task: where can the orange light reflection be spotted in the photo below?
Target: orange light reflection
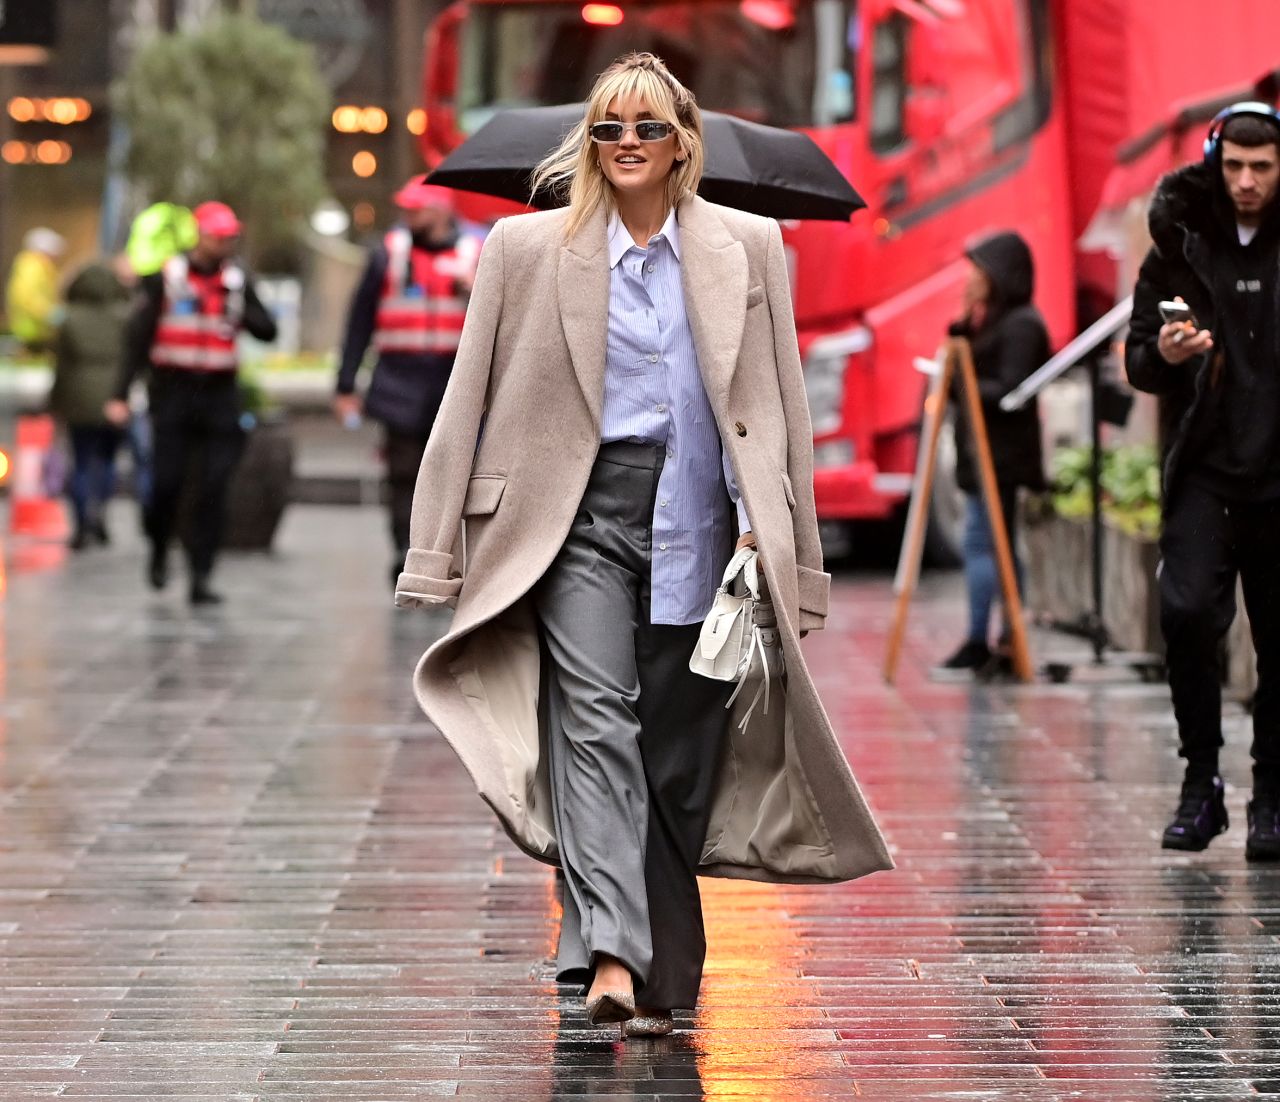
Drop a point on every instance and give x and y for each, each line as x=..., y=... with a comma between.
x=749, y=986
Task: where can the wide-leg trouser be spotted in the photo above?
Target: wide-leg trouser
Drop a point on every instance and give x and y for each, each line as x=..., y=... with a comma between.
x=635, y=741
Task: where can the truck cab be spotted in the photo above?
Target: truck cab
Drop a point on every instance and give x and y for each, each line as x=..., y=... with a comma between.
x=941, y=114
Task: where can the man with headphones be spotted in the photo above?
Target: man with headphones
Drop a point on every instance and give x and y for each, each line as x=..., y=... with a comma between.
x=1205, y=336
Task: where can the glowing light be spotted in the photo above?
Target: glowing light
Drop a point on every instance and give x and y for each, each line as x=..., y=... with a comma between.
x=4, y=465
x=772, y=15
x=350, y=119
x=61, y=111
x=15, y=153
x=364, y=214
x=346, y=119
x=53, y=153
x=602, y=15
x=417, y=121
x=364, y=164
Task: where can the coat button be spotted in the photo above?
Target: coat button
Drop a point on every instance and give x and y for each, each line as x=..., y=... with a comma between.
x=740, y=428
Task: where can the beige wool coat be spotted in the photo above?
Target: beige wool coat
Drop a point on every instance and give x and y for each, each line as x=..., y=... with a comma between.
x=488, y=520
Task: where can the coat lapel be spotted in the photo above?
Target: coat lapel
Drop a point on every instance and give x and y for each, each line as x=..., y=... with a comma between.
x=714, y=272
x=582, y=283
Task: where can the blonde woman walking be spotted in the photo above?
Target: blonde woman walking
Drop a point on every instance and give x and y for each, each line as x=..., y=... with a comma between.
x=626, y=406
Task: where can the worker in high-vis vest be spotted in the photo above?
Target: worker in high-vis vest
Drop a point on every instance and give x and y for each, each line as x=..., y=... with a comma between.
x=184, y=331
x=409, y=307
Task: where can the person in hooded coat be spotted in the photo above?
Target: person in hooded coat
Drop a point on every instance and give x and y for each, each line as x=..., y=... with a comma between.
x=1216, y=232
x=628, y=400
x=1009, y=341
x=88, y=348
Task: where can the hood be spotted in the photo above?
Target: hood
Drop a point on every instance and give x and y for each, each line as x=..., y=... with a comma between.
x=1192, y=199
x=1184, y=200
x=96, y=284
x=1005, y=259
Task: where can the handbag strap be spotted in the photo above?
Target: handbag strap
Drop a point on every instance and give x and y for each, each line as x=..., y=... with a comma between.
x=744, y=563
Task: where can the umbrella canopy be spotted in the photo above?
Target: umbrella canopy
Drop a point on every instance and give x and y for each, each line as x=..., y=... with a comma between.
x=761, y=169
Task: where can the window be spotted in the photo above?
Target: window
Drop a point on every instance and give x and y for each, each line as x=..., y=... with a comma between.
x=889, y=84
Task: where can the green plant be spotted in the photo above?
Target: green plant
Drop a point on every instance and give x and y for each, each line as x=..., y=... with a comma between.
x=1130, y=486
x=254, y=399
x=236, y=111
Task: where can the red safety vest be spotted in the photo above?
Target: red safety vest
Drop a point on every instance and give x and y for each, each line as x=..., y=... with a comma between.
x=422, y=309
x=200, y=318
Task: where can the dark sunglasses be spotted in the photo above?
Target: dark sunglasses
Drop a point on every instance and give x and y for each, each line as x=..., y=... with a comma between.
x=610, y=133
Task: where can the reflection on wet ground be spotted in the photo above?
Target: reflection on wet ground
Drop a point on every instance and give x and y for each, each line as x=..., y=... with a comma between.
x=235, y=863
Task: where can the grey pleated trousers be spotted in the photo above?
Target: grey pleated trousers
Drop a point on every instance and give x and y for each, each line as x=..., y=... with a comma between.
x=635, y=741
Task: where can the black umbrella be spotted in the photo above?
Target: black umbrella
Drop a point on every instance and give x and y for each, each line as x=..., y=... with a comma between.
x=778, y=173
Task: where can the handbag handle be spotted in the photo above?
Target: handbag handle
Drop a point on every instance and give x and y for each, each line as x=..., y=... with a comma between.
x=744, y=563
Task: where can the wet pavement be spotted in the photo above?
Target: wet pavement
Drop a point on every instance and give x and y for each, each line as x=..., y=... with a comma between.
x=236, y=863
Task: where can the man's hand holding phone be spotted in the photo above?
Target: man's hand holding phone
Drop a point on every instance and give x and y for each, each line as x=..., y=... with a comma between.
x=1180, y=339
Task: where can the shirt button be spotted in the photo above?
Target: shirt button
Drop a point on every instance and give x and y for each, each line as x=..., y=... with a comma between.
x=651, y=267
x=661, y=409
x=663, y=504
x=662, y=547
x=653, y=358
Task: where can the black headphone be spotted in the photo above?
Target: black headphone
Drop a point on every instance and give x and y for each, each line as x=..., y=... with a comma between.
x=1247, y=109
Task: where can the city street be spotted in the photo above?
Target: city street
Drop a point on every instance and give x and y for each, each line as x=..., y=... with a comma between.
x=237, y=863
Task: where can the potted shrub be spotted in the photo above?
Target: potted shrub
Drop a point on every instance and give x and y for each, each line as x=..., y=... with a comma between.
x=1060, y=548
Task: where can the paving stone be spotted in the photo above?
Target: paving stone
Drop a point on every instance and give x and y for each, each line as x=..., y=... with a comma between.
x=237, y=864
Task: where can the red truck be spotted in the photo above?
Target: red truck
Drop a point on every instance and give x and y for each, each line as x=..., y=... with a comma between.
x=951, y=117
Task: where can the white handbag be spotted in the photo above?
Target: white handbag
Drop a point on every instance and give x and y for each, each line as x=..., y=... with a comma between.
x=739, y=640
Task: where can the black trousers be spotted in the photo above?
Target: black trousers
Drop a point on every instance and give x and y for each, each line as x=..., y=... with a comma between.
x=403, y=456
x=197, y=441
x=1207, y=542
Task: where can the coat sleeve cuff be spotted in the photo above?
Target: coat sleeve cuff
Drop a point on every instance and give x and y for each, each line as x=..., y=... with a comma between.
x=815, y=594
x=426, y=580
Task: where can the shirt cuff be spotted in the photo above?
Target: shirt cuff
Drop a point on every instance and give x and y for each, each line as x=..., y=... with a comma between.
x=744, y=522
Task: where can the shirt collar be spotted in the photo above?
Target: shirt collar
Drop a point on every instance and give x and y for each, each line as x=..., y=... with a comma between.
x=620, y=242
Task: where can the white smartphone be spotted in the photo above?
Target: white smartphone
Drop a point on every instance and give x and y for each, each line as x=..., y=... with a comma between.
x=1176, y=311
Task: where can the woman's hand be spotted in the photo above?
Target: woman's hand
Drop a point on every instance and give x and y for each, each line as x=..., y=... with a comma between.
x=747, y=539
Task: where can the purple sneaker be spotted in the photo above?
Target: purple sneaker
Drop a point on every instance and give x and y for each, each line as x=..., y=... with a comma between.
x=1201, y=815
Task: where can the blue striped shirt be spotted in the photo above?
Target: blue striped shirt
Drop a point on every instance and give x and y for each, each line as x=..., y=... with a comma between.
x=653, y=393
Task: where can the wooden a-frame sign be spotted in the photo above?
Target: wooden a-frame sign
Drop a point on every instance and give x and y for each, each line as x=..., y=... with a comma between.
x=956, y=355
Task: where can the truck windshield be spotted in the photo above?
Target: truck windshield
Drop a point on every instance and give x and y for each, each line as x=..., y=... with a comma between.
x=782, y=62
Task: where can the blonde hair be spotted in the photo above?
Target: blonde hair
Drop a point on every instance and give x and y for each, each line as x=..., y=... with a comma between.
x=572, y=173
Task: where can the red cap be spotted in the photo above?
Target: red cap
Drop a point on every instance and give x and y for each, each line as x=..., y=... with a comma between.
x=417, y=194
x=217, y=220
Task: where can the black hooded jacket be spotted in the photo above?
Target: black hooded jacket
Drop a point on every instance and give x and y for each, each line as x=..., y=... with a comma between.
x=1219, y=411
x=1011, y=344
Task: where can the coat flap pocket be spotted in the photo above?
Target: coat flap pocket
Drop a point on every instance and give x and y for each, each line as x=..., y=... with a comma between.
x=484, y=491
x=755, y=296
x=787, y=490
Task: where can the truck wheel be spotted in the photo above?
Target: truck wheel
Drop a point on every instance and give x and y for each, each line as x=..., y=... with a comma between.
x=837, y=540
x=944, y=536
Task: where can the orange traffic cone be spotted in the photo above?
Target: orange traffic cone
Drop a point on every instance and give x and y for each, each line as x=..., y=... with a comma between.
x=31, y=510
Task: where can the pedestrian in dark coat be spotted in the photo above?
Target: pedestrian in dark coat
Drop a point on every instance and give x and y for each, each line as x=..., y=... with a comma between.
x=1216, y=232
x=1009, y=341
x=87, y=353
